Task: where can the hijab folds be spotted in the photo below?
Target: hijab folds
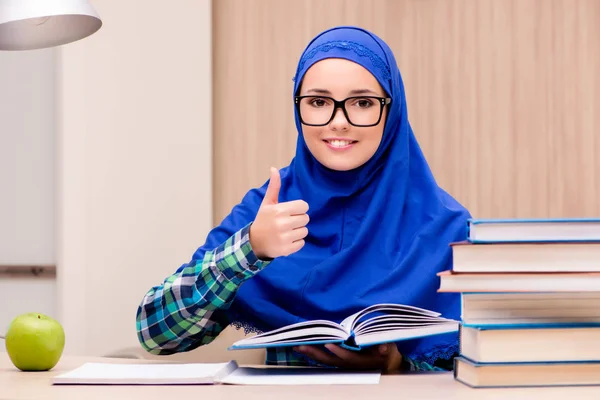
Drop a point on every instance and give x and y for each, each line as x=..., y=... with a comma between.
x=377, y=234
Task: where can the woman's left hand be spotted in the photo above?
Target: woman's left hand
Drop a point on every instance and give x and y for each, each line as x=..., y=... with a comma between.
x=385, y=357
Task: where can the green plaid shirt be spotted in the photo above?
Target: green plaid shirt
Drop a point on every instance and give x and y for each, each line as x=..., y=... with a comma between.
x=190, y=308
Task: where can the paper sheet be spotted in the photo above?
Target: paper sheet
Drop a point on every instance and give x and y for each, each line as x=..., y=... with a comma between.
x=107, y=373
x=299, y=376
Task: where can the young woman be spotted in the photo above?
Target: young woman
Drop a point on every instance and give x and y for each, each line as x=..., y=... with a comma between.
x=356, y=219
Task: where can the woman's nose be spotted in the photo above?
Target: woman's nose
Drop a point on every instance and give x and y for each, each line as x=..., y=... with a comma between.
x=339, y=121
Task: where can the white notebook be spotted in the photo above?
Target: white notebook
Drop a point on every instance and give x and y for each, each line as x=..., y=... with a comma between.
x=208, y=374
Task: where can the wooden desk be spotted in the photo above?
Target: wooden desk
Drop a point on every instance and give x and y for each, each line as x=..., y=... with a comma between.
x=18, y=385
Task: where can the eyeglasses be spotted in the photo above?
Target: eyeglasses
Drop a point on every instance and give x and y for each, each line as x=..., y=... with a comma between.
x=360, y=111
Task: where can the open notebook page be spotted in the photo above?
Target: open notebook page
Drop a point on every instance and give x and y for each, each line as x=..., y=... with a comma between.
x=146, y=374
x=222, y=373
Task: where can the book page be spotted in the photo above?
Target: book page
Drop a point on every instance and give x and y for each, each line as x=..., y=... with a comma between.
x=145, y=374
x=394, y=326
x=389, y=335
x=385, y=320
x=299, y=376
x=387, y=309
x=309, y=331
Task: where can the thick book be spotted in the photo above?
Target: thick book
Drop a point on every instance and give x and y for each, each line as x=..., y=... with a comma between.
x=539, y=343
x=526, y=257
x=527, y=374
x=228, y=373
x=533, y=230
x=381, y=323
x=451, y=281
x=530, y=309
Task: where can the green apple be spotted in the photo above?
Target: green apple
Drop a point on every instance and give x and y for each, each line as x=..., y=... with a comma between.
x=34, y=342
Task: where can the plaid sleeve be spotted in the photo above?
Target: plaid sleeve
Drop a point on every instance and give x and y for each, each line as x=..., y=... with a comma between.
x=189, y=309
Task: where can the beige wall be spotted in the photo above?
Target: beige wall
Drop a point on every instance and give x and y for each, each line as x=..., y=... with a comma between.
x=134, y=172
x=27, y=140
x=503, y=95
x=27, y=181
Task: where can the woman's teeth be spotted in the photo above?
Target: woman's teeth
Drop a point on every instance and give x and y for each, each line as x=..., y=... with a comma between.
x=340, y=143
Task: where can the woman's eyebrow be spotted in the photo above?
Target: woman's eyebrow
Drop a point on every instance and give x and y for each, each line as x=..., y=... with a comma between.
x=320, y=91
x=352, y=92
x=363, y=91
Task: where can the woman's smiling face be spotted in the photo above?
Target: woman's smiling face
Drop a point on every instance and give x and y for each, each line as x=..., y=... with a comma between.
x=339, y=145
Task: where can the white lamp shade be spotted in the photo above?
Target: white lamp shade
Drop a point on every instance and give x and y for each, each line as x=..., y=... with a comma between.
x=36, y=24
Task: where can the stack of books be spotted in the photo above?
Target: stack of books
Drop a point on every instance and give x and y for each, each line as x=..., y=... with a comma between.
x=530, y=294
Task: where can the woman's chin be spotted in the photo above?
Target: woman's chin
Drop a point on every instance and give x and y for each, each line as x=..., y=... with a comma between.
x=340, y=165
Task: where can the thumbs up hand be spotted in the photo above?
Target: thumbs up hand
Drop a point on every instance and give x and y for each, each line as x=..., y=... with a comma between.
x=279, y=229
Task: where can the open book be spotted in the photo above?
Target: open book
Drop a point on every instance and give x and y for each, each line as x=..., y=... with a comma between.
x=381, y=323
x=110, y=373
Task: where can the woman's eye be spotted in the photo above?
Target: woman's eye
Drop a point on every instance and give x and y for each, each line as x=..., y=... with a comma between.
x=318, y=102
x=364, y=103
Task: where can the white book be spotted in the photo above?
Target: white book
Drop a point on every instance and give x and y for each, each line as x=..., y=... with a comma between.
x=380, y=323
x=526, y=257
x=208, y=374
x=518, y=282
x=514, y=344
x=533, y=230
x=526, y=374
x=530, y=308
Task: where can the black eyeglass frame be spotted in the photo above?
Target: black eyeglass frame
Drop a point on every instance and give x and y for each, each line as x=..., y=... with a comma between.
x=383, y=101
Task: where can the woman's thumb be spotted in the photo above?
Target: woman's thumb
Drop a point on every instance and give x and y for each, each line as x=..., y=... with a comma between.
x=272, y=194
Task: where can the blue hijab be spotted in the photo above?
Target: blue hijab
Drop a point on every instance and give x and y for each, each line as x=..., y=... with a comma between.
x=377, y=234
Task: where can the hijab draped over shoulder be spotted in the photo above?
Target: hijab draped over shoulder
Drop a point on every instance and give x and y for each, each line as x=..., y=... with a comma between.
x=377, y=234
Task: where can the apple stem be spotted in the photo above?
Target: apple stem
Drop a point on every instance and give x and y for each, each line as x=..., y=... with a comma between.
x=2, y=337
